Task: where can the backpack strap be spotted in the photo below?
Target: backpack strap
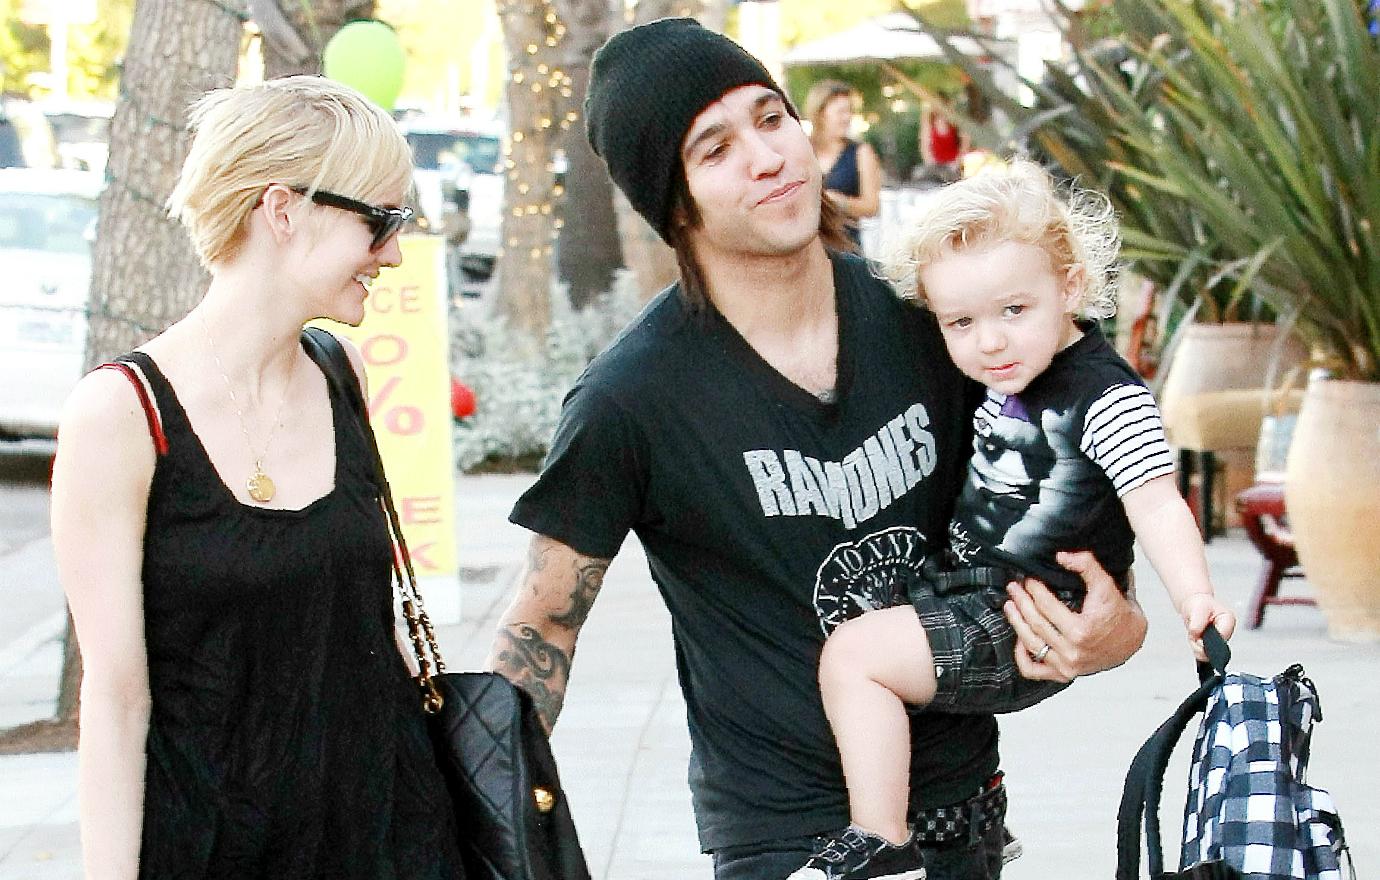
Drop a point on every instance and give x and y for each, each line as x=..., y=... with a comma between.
x=1140, y=797
x=160, y=440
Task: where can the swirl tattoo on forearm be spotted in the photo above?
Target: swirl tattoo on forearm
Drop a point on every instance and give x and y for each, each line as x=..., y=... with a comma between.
x=537, y=666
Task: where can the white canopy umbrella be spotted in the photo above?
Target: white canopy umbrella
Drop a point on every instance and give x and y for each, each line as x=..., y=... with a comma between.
x=895, y=36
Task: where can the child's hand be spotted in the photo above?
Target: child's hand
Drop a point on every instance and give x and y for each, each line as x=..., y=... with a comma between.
x=1201, y=609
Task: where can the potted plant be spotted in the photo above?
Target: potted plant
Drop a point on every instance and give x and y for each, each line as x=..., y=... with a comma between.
x=1282, y=106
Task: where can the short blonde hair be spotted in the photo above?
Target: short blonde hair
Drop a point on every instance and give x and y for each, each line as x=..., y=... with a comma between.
x=300, y=131
x=1018, y=202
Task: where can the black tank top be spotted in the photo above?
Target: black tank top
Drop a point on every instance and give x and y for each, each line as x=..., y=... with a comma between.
x=286, y=739
x=844, y=177
x=843, y=174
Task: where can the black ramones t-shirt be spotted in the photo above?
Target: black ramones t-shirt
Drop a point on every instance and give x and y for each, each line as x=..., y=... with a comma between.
x=768, y=518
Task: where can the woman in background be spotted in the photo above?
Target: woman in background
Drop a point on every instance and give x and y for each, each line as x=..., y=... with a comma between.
x=852, y=171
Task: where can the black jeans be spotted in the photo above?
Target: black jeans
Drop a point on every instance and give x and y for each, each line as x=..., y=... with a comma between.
x=776, y=859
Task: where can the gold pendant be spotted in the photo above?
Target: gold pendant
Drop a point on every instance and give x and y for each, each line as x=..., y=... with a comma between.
x=260, y=486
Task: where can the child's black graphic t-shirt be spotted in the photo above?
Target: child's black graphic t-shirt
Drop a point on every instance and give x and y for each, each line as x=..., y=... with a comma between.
x=1050, y=465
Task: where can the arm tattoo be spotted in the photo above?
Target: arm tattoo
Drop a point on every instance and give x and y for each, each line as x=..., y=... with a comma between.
x=536, y=554
x=535, y=665
x=552, y=605
x=589, y=577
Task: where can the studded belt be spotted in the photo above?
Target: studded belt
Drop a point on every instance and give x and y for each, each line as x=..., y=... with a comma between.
x=968, y=822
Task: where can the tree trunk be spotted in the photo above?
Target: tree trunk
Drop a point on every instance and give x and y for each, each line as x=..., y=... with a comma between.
x=297, y=31
x=540, y=107
x=144, y=272
x=588, y=250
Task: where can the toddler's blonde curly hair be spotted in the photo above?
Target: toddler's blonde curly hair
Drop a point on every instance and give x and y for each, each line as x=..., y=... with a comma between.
x=1018, y=202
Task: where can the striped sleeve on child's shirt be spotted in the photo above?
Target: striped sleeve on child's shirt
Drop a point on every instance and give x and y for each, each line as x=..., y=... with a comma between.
x=1123, y=433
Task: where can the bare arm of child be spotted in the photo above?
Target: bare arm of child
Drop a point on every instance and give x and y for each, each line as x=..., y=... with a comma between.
x=1167, y=533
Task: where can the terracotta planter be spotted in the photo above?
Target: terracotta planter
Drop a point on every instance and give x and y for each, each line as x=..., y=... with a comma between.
x=1213, y=397
x=1332, y=494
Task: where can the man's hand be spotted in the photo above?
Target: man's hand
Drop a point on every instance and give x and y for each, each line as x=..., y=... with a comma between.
x=1110, y=628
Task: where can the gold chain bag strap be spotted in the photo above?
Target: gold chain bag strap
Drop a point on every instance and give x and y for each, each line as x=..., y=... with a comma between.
x=490, y=746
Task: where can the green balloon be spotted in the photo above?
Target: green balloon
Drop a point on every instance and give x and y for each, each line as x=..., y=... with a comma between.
x=367, y=56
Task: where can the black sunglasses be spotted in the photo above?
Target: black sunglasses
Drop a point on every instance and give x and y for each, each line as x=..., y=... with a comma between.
x=383, y=222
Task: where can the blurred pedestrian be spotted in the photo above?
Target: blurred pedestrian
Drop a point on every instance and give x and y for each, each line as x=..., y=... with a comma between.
x=942, y=146
x=852, y=171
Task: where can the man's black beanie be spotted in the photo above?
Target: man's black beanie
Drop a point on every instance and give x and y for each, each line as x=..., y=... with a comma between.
x=646, y=85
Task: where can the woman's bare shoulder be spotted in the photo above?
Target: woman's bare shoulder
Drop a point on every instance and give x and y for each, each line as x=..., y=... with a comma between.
x=105, y=409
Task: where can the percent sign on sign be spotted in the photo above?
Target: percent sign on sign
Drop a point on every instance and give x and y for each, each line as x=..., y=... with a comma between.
x=397, y=418
x=388, y=350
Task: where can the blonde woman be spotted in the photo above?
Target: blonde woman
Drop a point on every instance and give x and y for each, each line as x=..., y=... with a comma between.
x=245, y=711
x=852, y=172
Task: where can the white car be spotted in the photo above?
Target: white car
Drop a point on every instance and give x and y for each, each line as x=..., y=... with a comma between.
x=82, y=132
x=459, y=166
x=47, y=226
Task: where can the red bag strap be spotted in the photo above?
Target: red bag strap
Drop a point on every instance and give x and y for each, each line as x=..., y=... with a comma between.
x=160, y=441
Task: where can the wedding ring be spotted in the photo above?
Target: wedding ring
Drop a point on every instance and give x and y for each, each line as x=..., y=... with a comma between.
x=1039, y=656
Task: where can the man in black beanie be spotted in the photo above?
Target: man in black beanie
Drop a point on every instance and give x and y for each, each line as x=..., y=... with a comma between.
x=786, y=437
x=635, y=120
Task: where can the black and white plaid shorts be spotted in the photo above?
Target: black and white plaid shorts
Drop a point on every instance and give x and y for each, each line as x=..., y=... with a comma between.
x=974, y=651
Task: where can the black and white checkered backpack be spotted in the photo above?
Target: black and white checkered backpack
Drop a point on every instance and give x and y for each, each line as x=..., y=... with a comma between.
x=1250, y=815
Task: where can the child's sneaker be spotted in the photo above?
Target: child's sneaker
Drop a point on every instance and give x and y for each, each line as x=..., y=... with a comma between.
x=856, y=854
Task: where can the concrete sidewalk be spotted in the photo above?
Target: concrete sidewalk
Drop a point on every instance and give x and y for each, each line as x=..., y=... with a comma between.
x=622, y=745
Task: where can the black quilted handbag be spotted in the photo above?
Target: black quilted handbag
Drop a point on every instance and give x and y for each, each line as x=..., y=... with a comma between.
x=514, y=821
x=508, y=799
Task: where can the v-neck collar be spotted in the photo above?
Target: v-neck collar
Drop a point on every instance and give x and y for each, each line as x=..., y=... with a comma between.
x=782, y=389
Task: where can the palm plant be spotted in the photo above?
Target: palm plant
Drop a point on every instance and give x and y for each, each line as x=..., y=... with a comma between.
x=1279, y=102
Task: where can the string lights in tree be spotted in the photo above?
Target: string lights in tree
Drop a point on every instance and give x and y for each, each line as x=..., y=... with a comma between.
x=540, y=97
x=532, y=143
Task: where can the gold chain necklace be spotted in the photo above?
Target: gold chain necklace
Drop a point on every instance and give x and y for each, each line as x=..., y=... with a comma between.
x=259, y=485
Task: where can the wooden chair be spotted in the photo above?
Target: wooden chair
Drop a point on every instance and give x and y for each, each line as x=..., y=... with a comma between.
x=1261, y=508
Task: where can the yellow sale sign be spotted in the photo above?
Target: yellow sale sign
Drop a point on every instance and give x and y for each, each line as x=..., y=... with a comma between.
x=405, y=344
